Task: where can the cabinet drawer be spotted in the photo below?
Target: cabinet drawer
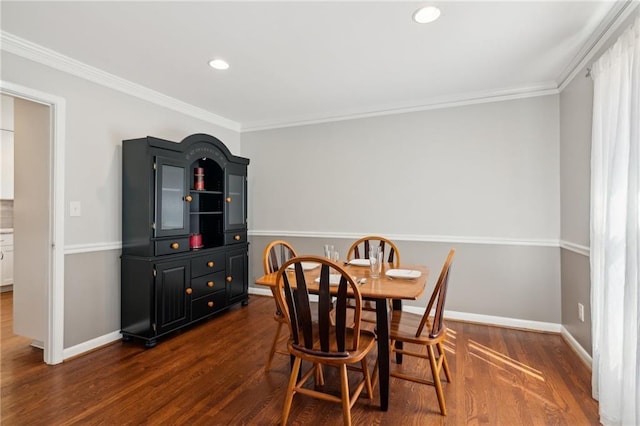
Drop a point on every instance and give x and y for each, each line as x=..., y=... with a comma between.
x=235, y=237
x=206, y=264
x=171, y=246
x=206, y=305
x=208, y=284
x=6, y=240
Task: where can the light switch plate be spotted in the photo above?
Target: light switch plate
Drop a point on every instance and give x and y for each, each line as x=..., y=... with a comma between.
x=74, y=208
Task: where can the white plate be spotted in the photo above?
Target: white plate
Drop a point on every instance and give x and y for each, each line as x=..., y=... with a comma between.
x=334, y=279
x=359, y=262
x=306, y=266
x=403, y=273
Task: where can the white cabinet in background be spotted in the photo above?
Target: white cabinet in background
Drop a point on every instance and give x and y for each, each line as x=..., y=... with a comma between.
x=6, y=165
x=6, y=262
x=6, y=148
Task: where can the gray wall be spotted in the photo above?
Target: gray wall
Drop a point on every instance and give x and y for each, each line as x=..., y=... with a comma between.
x=97, y=120
x=576, y=102
x=482, y=178
x=575, y=157
x=481, y=171
x=490, y=280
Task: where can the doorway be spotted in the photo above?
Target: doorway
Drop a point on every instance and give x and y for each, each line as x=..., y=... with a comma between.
x=49, y=236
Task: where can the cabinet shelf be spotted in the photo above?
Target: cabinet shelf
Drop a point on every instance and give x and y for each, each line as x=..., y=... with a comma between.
x=198, y=191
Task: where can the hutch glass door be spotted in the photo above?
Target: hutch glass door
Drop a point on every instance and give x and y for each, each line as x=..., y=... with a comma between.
x=236, y=199
x=171, y=208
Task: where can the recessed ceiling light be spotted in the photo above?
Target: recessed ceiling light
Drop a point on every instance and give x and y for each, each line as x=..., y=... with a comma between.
x=218, y=64
x=426, y=14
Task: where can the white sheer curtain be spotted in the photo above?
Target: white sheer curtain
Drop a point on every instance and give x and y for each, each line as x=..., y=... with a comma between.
x=615, y=224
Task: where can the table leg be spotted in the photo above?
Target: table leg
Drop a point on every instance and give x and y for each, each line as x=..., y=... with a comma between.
x=397, y=305
x=382, y=329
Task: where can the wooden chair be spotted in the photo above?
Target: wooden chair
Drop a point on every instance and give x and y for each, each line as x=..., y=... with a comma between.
x=319, y=341
x=360, y=249
x=426, y=331
x=275, y=254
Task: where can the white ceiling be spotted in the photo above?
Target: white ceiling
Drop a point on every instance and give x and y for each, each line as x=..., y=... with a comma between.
x=308, y=61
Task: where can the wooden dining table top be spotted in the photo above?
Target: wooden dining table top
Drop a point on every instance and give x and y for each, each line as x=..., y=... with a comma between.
x=383, y=287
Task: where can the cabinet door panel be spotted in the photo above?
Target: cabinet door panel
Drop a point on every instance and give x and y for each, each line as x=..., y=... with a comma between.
x=236, y=198
x=172, y=300
x=237, y=272
x=172, y=211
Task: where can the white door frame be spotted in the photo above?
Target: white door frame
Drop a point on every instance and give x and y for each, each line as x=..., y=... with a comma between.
x=54, y=329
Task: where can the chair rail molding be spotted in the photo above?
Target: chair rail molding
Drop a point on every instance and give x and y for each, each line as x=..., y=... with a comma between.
x=537, y=242
x=576, y=248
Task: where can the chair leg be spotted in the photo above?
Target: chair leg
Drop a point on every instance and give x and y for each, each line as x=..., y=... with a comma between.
x=367, y=378
x=288, y=399
x=445, y=364
x=319, y=377
x=273, y=348
x=436, y=379
x=346, y=403
x=374, y=375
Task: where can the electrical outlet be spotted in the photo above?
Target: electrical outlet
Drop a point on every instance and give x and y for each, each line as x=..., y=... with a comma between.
x=581, y=312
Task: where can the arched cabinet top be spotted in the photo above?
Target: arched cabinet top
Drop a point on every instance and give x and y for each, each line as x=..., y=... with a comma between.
x=200, y=145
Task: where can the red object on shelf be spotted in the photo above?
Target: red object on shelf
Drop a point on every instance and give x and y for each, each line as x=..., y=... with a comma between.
x=195, y=241
x=198, y=178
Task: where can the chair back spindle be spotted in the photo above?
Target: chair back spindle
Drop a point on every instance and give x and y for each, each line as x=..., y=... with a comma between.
x=438, y=297
x=319, y=337
x=392, y=255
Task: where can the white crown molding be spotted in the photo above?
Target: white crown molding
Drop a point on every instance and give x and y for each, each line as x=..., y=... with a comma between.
x=619, y=12
x=426, y=105
x=576, y=248
x=34, y=52
x=420, y=238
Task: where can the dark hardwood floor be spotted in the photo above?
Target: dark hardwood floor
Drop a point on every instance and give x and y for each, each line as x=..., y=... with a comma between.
x=213, y=374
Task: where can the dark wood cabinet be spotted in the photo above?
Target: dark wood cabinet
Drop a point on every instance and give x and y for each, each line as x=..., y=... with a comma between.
x=184, y=233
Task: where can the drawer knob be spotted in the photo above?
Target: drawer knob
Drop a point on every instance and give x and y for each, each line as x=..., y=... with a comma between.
x=210, y=284
x=188, y=198
x=210, y=304
x=175, y=246
x=189, y=290
x=229, y=279
x=237, y=238
x=210, y=264
x=228, y=199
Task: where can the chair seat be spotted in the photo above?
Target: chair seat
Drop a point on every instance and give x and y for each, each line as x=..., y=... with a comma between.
x=367, y=341
x=404, y=325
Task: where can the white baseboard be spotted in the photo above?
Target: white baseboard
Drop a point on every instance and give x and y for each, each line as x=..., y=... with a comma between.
x=499, y=321
x=90, y=345
x=571, y=341
x=260, y=291
x=267, y=292
x=461, y=316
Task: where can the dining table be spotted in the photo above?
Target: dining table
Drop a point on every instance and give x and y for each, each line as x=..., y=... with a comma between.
x=396, y=283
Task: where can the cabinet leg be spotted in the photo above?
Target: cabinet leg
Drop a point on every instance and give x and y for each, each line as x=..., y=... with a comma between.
x=245, y=302
x=150, y=343
x=126, y=338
